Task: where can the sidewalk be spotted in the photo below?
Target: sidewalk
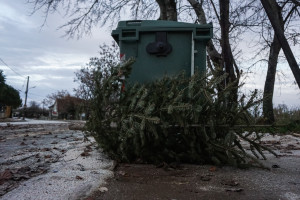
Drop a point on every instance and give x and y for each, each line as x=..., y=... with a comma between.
x=31, y=121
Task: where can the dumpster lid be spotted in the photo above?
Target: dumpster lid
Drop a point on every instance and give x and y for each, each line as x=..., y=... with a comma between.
x=159, y=25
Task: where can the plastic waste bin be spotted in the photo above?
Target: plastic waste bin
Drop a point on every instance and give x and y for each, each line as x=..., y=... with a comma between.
x=162, y=47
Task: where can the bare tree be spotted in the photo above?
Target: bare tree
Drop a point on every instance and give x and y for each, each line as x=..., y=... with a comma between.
x=168, y=10
x=273, y=10
x=287, y=14
x=84, y=15
x=230, y=18
x=227, y=57
x=213, y=54
x=223, y=61
x=108, y=57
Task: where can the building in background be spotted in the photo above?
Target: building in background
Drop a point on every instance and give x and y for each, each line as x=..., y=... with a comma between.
x=5, y=111
x=67, y=108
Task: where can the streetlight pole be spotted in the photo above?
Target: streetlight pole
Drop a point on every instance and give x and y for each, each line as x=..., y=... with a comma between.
x=25, y=104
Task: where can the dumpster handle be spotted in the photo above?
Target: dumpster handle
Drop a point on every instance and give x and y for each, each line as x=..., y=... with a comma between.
x=134, y=23
x=193, y=57
x=160, y=47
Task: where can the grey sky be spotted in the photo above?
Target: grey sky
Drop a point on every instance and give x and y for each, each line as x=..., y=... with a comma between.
x=51, y=60
x=42, y=53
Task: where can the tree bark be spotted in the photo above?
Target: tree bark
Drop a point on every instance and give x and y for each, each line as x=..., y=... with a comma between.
x=213, y=54
x=275, y=48
x=227, y=57
x=268, y=111
x=168, y=10
x=218, y=59
x=272, y=9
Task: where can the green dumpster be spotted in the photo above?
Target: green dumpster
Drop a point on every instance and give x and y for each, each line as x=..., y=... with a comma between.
x=162, y=47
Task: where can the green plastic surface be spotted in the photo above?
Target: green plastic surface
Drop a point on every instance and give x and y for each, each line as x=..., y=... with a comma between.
x=134, y=36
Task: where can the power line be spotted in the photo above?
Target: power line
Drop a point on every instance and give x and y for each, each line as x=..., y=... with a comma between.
x=50, y=88
x=36, y=95
x=23, y=85
x=12, y=69
x=45, y=85
x=24, y=76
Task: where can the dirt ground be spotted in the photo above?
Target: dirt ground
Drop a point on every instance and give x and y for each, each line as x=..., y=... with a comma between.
x=189, y=182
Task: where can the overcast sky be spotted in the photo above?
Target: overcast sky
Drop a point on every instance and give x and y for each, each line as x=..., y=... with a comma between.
x=42, y=53
x=51, y=60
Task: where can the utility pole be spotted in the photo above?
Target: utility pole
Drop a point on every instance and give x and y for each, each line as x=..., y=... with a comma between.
x=25, y=104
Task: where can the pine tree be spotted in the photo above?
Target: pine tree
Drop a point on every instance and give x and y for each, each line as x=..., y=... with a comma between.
x=173, y=119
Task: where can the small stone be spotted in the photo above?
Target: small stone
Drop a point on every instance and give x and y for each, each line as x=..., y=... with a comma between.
x=275, y=166
x=230, y=182
x=213, y=169
x=122, y=173
x=6, y=175
x=47, y=156
x=103, y=189
x=205, y=178
x=84, y=153
x=79, y=178
x=234, y=190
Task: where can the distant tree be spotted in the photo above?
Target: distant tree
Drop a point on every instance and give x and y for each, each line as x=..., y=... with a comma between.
x=108, y=57
x=2, y=78
x=50, y=99
x=34, y=110
x=8, y=95
x=34, y=104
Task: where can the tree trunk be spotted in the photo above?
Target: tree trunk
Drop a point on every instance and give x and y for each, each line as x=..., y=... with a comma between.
x=168, y=10
x=227, y=57
x=272, y=9
x=270, y=81
x=268, y=111
x=213, y=54
x=218, y=59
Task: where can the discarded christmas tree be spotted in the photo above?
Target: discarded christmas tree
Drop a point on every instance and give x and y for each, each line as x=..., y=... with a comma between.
x=174, y=119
